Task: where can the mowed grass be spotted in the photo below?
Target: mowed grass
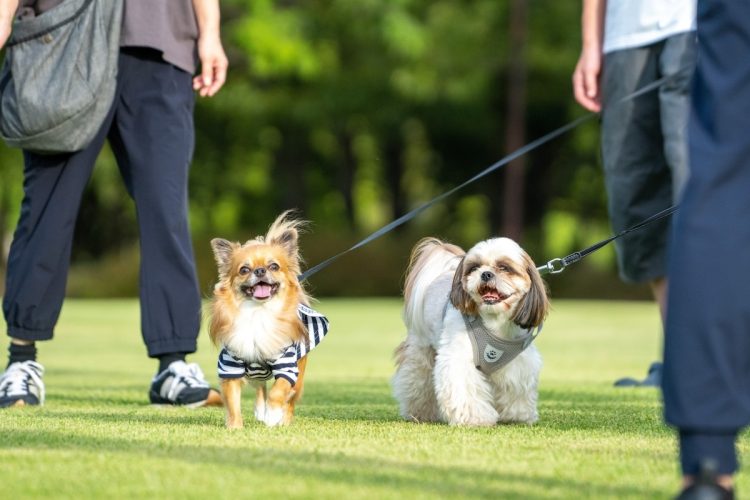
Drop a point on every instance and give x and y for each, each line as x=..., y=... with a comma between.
x=97, y=437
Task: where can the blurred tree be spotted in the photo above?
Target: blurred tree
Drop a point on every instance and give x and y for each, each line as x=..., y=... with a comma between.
x=515, y=132
x=356, y=111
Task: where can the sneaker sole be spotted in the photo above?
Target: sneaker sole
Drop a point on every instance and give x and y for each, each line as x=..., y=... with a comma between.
x=213, y=399
x=19, y=403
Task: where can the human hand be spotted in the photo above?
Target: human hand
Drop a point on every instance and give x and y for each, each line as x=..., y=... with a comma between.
x=7, y=11
x=214, y=65
x=586, y=79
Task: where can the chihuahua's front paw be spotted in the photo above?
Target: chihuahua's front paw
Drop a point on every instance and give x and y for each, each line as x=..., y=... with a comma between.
x=273, y=416
x=260, y=412
x=234, y=423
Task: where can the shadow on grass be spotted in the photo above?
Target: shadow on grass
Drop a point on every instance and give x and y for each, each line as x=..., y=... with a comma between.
x=274, y=467
x=615, y=410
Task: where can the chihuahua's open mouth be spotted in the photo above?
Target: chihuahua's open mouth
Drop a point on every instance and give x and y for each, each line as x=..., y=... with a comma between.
x=261, y=290
x=492, y=295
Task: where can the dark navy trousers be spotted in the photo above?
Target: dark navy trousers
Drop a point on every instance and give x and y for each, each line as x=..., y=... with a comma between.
x=706, y=379
x=150, y=130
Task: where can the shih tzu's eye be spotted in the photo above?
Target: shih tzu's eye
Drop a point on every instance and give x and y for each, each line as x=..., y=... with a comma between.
x=472, y=268
x=273, y=267
x=244, y=270
x=503, y=268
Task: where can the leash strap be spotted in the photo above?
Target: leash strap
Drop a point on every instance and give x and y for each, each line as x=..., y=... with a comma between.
x=556, y=266
x=500, y=163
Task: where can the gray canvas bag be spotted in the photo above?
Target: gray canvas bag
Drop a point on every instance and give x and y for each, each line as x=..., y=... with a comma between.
x=58, y=79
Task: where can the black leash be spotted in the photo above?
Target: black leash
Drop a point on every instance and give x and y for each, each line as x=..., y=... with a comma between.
x=556, y=266
x=500, y=163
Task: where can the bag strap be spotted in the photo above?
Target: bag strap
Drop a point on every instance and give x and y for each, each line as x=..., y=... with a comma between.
x=50, y=29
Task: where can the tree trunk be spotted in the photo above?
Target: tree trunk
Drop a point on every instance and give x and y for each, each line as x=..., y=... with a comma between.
x=515, y=131
x=393, y=173
x=346, y=176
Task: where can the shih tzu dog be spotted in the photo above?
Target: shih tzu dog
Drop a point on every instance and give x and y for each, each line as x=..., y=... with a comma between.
x=468, y=358
x=261, y=318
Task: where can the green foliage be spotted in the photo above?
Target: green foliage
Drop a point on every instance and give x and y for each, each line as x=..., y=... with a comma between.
x=355, y=111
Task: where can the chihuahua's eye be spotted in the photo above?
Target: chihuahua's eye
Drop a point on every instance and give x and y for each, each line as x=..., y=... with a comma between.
x=273, y=267
x=244, y=270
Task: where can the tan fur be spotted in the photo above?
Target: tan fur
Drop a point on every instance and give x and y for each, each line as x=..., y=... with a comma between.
x=535, y=305
x=278, y=246
x=460, y=299
x=420, y=254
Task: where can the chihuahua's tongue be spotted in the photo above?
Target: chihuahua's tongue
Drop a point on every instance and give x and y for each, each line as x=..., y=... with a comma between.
x=262, y=291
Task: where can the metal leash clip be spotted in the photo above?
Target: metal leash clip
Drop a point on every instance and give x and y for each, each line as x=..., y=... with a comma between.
x=554, y=266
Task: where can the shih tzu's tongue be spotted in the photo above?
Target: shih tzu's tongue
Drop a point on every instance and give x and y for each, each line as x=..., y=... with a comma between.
x=262, y=291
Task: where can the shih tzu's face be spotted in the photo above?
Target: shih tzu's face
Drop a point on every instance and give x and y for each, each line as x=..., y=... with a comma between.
x=497, y=276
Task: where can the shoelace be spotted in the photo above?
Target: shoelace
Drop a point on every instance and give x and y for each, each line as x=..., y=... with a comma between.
x=15, y=380
x=189, y=375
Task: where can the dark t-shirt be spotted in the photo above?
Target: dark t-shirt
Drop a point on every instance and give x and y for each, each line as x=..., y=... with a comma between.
x=165, y=25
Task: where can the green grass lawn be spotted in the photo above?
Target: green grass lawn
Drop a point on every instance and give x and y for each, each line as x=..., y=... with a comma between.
x=96, y=436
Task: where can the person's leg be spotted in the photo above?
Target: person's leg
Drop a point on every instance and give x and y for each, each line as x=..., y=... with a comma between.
x=659, y=291
x=38, y=262
x=152, y=138
x=40, y=252
x=707, y=347
x=677, y=62
x=636, y=174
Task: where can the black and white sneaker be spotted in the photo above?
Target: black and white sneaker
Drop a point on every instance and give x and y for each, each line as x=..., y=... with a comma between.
x=21, y=384
x=183, y=384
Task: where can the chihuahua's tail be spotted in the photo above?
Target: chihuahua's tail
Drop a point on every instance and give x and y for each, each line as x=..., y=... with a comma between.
x=430, y=259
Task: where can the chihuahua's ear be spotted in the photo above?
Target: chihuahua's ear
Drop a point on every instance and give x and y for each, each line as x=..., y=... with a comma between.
x=533, y=308
x=460, y=299
x=285, y=233
x=287, y=239
x=223, y=250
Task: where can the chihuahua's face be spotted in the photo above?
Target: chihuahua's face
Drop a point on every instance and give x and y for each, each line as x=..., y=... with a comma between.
x=262, y=269
x=259, y=272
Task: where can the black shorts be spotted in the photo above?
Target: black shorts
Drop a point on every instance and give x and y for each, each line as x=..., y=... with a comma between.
x=644, y=147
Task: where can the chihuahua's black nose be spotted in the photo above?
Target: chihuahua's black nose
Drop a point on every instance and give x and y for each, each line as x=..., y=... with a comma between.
x=260, y=272
x=487, y=276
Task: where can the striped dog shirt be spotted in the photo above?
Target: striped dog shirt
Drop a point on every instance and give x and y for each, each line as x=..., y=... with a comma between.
x=284, y=365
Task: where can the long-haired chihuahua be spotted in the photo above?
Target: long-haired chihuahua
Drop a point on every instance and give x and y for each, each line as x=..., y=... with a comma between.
x=261, y=319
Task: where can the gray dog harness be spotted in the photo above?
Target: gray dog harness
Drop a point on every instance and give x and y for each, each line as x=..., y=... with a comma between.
x=492, y=353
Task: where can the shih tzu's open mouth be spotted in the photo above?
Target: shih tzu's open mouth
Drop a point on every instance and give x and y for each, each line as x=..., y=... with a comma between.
x=260, y=291
x=492, y=295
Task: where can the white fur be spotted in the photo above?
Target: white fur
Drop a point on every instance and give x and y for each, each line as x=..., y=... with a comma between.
x=260, y=399
x=255, y=334
x=437, y=379
x=273, y=416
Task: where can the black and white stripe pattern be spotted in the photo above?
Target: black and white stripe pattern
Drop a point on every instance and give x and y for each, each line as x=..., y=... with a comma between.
x=285, y=365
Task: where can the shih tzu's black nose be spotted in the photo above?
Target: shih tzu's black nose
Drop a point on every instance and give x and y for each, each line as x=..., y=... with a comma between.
x=260, y=272
x=487, y=276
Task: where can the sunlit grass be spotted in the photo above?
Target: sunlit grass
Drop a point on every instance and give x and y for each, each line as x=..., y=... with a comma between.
x=97, y=437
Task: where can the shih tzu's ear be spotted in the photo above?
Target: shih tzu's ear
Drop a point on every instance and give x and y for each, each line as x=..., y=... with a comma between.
x=223, y=250
x=459, y=297
x=285, y=233
x=533, y=308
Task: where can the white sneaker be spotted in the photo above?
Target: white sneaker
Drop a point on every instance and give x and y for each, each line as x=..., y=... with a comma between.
x=183, y=384
x=21, y=384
